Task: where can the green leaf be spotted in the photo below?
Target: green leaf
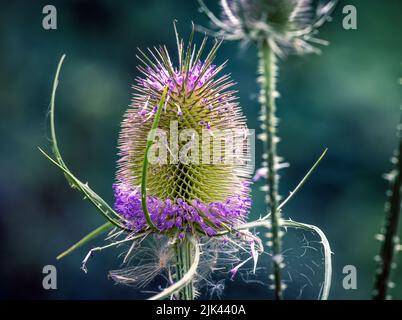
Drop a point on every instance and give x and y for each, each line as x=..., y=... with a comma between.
x=327, y=253
x=308, y=227
x=74, y=182
x=90, y=236
x=301, y=183
x=89, y=194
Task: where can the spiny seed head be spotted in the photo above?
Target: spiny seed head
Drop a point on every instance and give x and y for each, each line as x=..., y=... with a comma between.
x=290, y=26
x=198, y=181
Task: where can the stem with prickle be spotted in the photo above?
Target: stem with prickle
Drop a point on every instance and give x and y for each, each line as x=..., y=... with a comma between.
x=268, y=109
x=184, y=261
x=390, y=240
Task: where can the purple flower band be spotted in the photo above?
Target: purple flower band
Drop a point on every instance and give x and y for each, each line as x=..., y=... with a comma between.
x=179, y=216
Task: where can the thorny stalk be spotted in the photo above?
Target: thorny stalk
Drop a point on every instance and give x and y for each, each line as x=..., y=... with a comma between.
x=390, y=243
x=268, y=113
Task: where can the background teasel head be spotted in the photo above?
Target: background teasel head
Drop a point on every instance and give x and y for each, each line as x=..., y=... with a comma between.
x=290, y=26
x=197, y=194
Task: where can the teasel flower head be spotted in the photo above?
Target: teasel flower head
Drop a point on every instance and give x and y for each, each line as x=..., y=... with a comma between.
x=191, y=187
x=290, y=26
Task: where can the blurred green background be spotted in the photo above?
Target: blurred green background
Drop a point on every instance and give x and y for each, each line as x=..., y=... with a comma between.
x=346, y=99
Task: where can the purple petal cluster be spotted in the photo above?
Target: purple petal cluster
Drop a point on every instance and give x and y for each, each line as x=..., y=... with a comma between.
x=197, y=76
x=177, y=215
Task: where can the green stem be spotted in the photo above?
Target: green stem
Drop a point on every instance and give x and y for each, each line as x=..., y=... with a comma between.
x=267, y=99
x=188, y=277
x=391, y=241
x=184, y=262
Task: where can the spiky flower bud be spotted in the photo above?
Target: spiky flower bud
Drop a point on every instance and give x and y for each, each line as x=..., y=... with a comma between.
x=289, y=25
x=199, y=179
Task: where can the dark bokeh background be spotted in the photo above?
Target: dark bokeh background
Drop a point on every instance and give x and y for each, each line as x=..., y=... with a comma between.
x=346, y=99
